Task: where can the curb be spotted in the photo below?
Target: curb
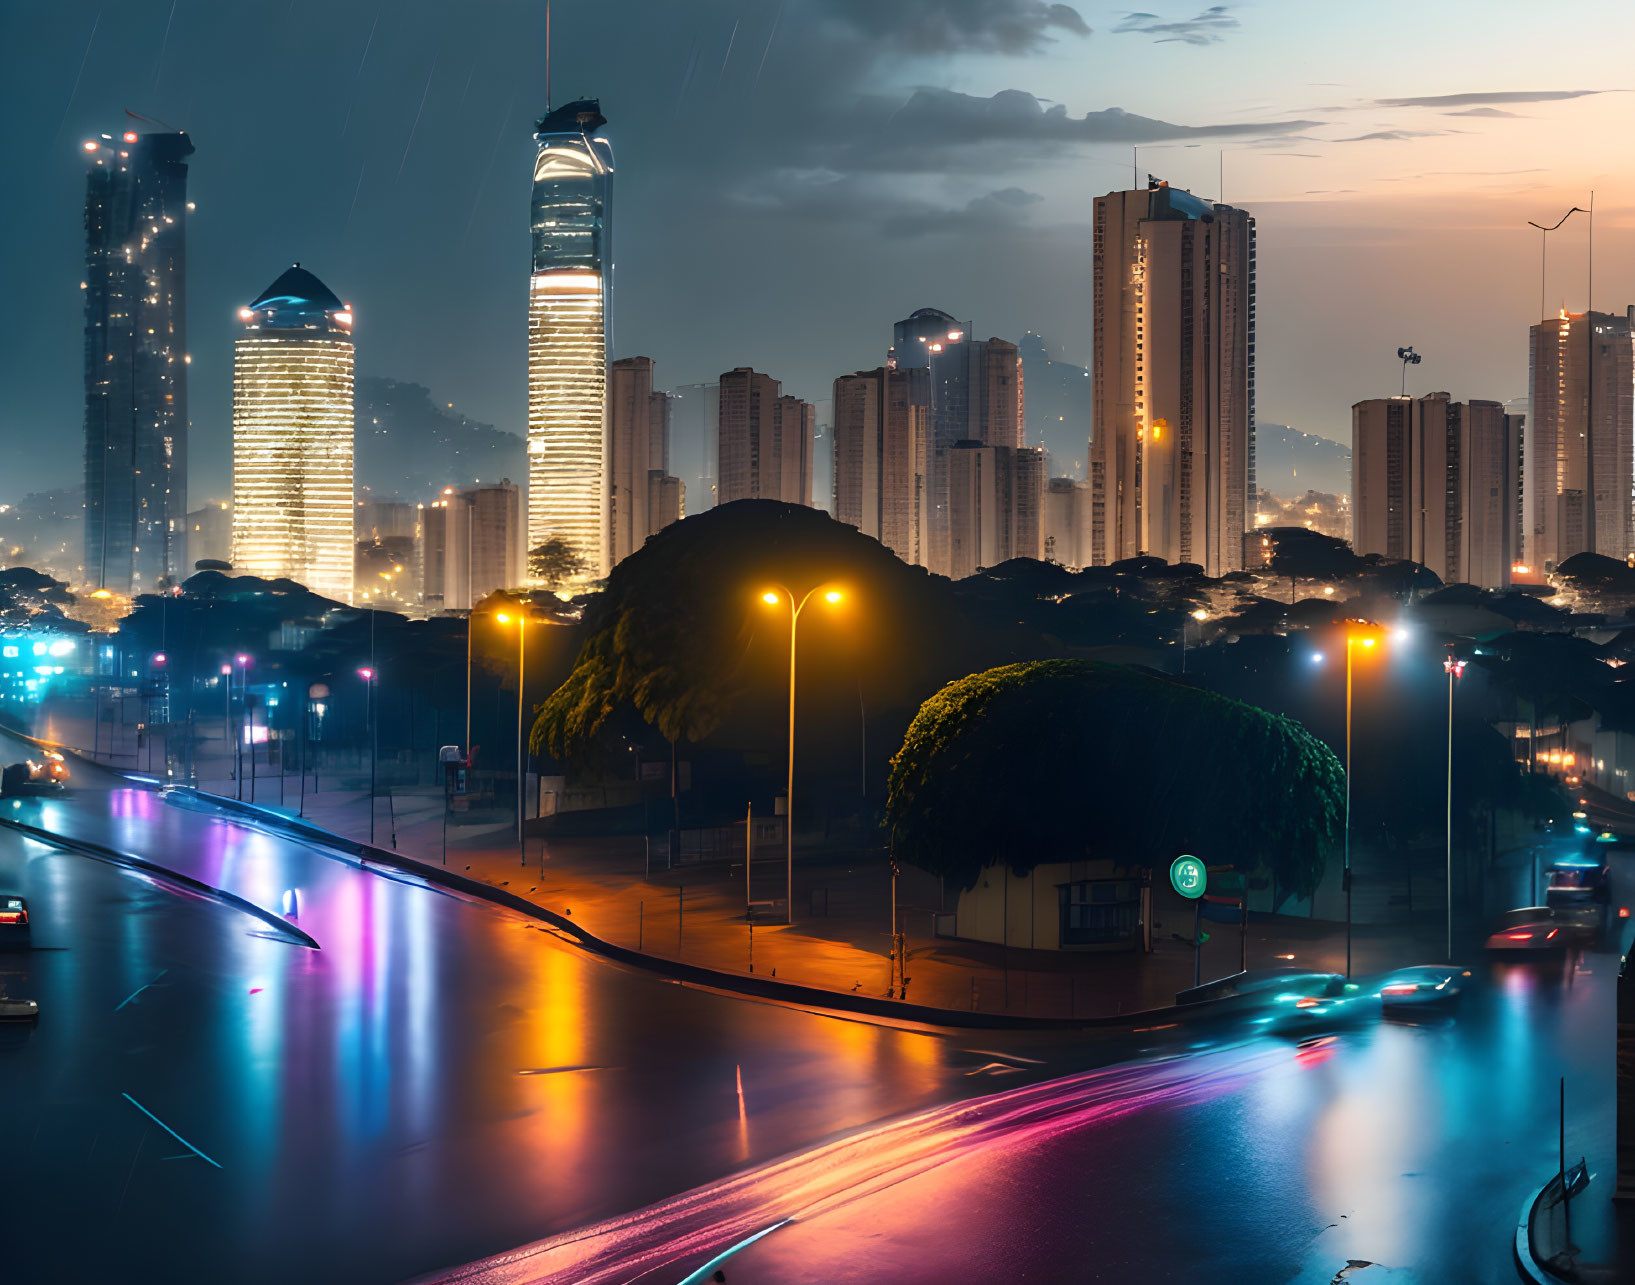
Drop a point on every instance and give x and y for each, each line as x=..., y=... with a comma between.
x=164, y=873
x=695, y=974
x=1531, y=1268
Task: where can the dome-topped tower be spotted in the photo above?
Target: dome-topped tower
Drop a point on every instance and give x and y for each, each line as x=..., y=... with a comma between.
x=293, y=436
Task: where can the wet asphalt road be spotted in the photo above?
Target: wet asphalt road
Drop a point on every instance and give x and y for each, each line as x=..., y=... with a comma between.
x=444, y=1081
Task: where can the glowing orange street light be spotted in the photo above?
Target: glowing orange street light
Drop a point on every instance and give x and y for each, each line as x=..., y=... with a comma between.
x=1353, y=640
x=774, y=597
x=505, y=618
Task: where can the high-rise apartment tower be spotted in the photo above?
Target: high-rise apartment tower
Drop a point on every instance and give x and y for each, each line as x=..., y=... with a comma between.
x=1173, y=312
x=1434, y=481
x=1580, y=438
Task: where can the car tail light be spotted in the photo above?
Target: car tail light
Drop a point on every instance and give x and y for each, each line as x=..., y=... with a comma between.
x=1525, y=936
x=1308, y=1002
x=1623, y=912
x=13, y=916
x=1400, y=988
x=1551, y=935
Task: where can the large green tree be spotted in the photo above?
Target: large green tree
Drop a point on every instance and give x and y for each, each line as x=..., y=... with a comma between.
x=680, y=632
x=1062, y=760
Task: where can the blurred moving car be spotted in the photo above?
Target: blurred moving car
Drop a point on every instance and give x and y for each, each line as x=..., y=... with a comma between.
x=1544, y=928
x=1577, y=881
x=18, y=1010
x=45, y=775
x=14, y=929
x=1422, y=986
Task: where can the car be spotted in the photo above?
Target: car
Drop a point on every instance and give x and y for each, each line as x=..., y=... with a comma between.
x=1311, y=1003
x=1542, y=928
x=1422, y=986
x=43, y=776
x=18, y=1010
x=14, y=926
x=1577, y=881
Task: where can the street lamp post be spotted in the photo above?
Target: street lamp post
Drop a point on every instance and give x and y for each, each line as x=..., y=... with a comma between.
x=1351, y=641
x=522, y=635
x=227, y=713
x=1544, y=251
x=776, y=597
x=1454, y=669
x=371, y=721
x=243, y=663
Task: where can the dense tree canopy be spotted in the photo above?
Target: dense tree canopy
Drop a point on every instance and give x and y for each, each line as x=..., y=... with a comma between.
x=1063, y=760
x=680, y=631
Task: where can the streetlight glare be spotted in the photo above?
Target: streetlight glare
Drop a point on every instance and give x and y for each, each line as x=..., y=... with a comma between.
x=502, y=617
x=770, y=598
x=1317, y=658
x=1200, y=615
x=833, y=595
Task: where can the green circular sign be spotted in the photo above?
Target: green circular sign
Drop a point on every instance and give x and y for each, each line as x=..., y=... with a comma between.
x=1188, y=876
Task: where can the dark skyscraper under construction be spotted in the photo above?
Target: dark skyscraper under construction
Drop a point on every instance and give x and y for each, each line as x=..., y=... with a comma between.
x=135, y=360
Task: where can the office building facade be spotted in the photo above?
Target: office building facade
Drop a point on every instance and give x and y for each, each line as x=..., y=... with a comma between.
x=136, y=360
x=471, y=545
x=642, y=497
x=975, y=394
x=569, y=320
x=1580, y=438
x=1173, y=311
x=765, y=440
x=293, y=371
x=881, y=448
x=1065, y=522
x=995, y=505
x=1435, y=481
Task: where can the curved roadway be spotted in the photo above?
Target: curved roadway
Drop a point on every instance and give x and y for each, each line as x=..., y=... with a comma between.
x=444, y=1081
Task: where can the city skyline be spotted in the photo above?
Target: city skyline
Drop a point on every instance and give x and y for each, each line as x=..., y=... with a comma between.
x=455, y=106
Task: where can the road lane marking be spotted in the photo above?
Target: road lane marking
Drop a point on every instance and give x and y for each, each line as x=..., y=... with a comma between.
x=703, y=1273
x=167, y=1129
x=140, y=989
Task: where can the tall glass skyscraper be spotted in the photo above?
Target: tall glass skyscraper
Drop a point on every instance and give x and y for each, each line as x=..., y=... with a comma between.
x=135, y=360
x=292, y=436
x=569, y=311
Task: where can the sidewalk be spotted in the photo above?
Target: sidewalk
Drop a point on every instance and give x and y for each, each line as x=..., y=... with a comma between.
x=840, y=938
x=840, y=941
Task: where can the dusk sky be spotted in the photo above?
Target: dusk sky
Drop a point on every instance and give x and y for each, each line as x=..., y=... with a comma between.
x=795, y=175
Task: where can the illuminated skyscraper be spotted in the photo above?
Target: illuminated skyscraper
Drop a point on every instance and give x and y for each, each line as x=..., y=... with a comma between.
x=1172, y=468
x=135, y=360
x=292, y=436
x=568, y=321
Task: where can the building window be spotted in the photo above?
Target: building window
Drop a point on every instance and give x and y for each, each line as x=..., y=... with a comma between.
x=1098, y=911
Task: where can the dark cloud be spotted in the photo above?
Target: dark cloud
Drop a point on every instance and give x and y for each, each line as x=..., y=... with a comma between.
x=945, y=118
x=890, y=204
x=1477, y=100
x=1487, y=113
x=1207, y=28
x=956, y=26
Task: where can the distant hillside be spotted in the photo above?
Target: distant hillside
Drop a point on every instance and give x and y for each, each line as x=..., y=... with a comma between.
x=410, y=446
x=1290, y=463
